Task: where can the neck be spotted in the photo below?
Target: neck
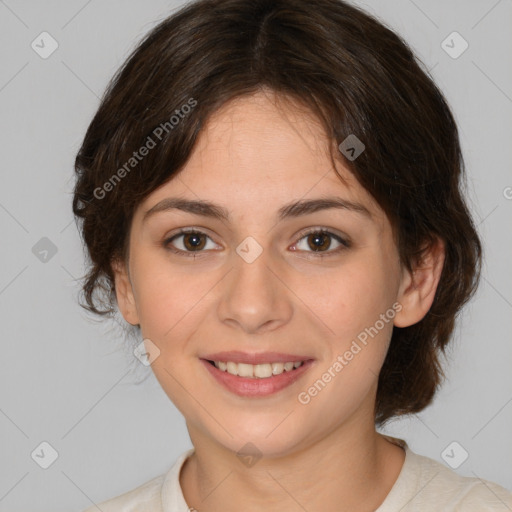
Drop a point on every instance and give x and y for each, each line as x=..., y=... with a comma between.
x=350, y=469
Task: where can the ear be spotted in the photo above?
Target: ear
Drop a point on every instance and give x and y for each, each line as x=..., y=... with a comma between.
x=418, y=288
x=124, y=292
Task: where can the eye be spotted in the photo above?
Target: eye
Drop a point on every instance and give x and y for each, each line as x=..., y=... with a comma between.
x=320, y=241
x=193, y=242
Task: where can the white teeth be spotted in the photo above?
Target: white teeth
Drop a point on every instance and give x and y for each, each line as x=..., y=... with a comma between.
x=262, y=371
x=277, y=368
x=231, y=368
x=245, y=370
x=258, y=371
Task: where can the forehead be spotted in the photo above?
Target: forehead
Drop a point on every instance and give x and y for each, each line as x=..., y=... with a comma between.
x=259, y=152
x=262, y=137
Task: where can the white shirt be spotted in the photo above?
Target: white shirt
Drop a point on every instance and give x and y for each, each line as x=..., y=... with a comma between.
x=423, y=485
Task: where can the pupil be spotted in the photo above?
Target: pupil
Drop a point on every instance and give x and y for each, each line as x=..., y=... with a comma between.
x=317, y=239
x=196, y=241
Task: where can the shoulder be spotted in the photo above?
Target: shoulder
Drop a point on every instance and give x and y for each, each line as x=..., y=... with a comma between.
x=144, y=498
x=426, y=484
x=160, y=494
x=439, y=486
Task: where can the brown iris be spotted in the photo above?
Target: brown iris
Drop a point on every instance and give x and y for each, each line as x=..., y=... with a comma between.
x=197, y=241
x=318, y=238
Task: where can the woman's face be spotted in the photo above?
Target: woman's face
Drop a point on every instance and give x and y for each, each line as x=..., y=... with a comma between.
x=263, y=284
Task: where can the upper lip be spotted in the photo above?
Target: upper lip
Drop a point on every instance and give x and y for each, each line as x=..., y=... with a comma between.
x=236, y=356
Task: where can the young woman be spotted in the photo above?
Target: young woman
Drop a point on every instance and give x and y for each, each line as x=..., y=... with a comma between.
x=270, y=192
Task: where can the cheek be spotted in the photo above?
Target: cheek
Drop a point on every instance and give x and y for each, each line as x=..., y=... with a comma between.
x=348, y=374
x=171, y=306
x=355, y=304
x=350, y=299
x=165, y=297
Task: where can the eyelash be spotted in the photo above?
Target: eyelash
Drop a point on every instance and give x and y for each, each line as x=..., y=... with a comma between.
x=319, y=231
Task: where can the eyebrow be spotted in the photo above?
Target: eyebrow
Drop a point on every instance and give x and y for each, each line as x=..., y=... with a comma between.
x=290, y=210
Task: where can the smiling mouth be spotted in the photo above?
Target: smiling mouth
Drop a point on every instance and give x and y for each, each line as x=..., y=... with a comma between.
x=256, y=371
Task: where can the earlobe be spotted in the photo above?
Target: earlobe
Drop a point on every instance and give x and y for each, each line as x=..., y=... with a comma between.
x=124, y=293
x=418, y=288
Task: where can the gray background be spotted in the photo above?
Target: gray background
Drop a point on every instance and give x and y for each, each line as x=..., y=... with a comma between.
x=73, y=382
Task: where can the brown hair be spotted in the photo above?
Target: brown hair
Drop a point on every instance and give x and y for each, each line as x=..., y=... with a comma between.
x=358, y=77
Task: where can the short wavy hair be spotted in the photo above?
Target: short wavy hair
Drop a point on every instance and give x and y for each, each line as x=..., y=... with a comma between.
x=352, y=72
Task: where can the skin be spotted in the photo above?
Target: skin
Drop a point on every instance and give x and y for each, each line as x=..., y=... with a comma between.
x=252, y=157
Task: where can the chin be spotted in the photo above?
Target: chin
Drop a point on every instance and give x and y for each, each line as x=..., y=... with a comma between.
x=264, y=434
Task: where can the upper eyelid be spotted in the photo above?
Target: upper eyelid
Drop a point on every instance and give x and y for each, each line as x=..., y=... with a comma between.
x=299, y=236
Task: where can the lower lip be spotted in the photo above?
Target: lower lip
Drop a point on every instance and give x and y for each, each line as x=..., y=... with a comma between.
x=245, y=386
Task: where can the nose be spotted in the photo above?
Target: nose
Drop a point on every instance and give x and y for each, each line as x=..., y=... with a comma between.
x=254, y=297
